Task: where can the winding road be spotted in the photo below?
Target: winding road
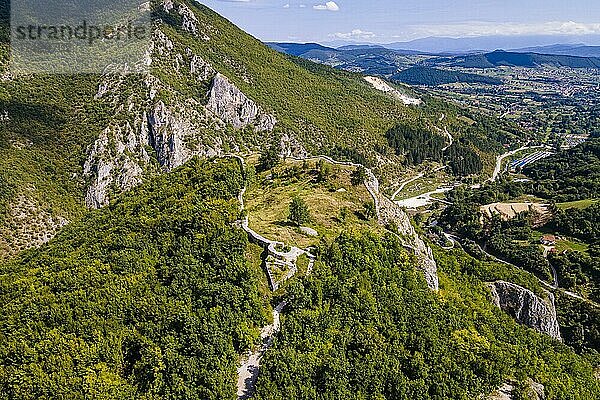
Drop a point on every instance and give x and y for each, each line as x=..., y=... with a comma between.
x=411, y=180
x=421, y=175
x=502, y=157
x=553, y=286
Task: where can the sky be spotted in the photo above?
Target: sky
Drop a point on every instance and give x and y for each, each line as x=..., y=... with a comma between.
x=385, y=21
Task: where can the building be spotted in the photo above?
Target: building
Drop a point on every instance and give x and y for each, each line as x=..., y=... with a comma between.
x=548, y=240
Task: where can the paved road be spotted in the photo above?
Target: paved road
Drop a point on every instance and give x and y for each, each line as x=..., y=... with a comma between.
x=502, y=157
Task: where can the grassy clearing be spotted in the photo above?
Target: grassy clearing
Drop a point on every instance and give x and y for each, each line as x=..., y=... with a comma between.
x=571, y=245
x=581, y=204
x=268, y=199
x=562, y=244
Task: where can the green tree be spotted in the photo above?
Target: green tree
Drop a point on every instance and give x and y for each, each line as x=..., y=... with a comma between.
x=358, y=176
x=323, y=171
x=269, y=158
x=299, y=213
x=369, y=210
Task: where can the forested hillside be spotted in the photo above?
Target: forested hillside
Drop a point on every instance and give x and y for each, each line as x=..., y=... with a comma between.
x=529, y=60
x=62, y=132
x=433, y=77
x=570, y=175
x=151, y=297
x=364, y=326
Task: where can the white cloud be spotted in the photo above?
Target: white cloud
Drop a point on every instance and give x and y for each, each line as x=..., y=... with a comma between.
x=356, y=34
x=329, y=6
x=474, y=29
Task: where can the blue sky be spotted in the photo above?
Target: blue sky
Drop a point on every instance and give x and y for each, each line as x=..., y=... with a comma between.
x=384, y=21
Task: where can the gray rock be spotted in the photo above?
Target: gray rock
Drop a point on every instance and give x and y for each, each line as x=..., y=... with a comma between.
x=527, y=308
x=504, y=392
x=391, y=213
x=534, y=391
x=308, y=231
x=232, y=106
x=152, y=135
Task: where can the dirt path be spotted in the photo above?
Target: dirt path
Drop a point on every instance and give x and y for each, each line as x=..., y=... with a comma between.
x=411, y=180
x=248, y=371
x=450, y=139
x=421, y=175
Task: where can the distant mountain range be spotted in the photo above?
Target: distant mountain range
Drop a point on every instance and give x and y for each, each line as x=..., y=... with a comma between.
x=506, y=58
x=374, y=60
x=483, y=44
x=413, y=67
x=563, y=49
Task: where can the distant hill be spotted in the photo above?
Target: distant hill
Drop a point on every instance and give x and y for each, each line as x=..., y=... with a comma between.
x=433, y=77
x=563, y=49
x=372, y=60
x=297, y=49
x=529, y=60
x=482, y=44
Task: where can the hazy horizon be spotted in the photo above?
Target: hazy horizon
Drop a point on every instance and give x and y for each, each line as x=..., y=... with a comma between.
x=388, y=21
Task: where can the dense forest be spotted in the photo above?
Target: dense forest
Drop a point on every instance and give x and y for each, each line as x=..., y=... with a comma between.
x=419, y=144
x=569, y=175
x=580, y=223
x=364, y=326
x=434, y=77
x=463, y=160
x=151, y=297
x=416, y=144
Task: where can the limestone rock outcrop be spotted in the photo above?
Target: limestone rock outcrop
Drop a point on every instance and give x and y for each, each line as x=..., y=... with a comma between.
x=156, y=127
x=232, y=106
x=391, y=213
x=527, y=308
x=533, y=391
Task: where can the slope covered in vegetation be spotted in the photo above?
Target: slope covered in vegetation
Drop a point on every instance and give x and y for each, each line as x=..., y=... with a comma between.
x=364, y=326
x=151, y=297
x=433, y=77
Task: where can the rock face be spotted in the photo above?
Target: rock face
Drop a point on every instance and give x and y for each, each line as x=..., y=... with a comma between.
x=533, y=391
x=391, y=213
x=527, y=308
x=232, y=106
x=156, y=127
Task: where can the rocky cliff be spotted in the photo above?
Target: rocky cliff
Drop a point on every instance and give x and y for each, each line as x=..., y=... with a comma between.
x=391, y=213
x=157, y=126
x=532, y=391
x=527, y=308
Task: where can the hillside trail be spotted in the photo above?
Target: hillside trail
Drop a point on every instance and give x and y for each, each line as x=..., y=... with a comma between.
x=250, y=366
x=552, y=287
